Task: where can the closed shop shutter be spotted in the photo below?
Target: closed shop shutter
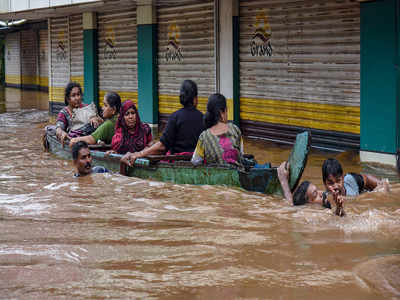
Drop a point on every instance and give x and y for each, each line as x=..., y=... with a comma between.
x=76, y=46
x=186, y=45
x=12, y=59
x=28, y=59
x=43, y=59
x=60, y=59
x=300, y=65
x=117, y=53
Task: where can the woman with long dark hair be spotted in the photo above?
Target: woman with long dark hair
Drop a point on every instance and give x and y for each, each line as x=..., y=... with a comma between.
x=222, y=142
x=182, y=131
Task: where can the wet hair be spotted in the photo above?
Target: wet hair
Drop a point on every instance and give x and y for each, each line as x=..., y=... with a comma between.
x=216, y=104
x=300, y=194
x=77, y=147
x=68, y=90
x=187, y=93
x=331, y=166
x=114, y=100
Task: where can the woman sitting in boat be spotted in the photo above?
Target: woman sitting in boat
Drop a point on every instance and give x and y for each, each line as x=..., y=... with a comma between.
x=221, y=142
x=182, y=131
x=64, y=122
x=105, y=132
x=131, y=134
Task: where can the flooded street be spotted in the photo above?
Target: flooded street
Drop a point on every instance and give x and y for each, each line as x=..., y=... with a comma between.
x=109, y=236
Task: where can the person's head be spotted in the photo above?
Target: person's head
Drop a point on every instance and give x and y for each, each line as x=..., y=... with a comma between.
x=73, y=95
x=188, y=93
x=332, y=176
x=307, y=192
x=129, y=116
x=216, y=110
x=112, y=104
x=82, y=158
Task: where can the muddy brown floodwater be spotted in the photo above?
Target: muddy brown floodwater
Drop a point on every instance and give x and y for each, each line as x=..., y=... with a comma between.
x=109, y=236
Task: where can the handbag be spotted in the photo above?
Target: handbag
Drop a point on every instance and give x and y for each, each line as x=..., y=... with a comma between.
x=81, y=116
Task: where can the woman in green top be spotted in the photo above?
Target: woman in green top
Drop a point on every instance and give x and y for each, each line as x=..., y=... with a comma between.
x=105, y=132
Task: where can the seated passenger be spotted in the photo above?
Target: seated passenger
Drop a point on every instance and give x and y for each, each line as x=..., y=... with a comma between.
x=182, y=131
x=64, y=122
x=130, y=133
x=221, y=142
x=337, y=185
x=105, y=132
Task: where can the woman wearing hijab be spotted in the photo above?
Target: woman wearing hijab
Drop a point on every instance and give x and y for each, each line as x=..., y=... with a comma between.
x=131, y=135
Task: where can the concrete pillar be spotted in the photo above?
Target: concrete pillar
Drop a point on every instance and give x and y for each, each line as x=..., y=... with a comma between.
x=379, y=136
x=229, y=56
x=90, y=59
x=147, y=64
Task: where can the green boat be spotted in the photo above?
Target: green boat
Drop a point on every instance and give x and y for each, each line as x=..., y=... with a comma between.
x=181, y=171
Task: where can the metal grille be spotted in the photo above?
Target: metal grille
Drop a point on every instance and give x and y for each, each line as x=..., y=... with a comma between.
x=117, y=53
x=185, y=51
x=43, y=58
x=76, y=46
x=12, y=59
x=28, y=58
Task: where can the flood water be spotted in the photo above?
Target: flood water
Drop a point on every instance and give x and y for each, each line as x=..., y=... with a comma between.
x=109, y=236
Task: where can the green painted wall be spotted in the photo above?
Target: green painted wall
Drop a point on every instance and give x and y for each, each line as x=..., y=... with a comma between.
x=90, y=67
x=379, y=76
x=147, y=73
x=236, y=82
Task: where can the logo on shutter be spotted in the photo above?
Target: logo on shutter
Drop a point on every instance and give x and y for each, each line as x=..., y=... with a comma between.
x=110, y=52
x=61, y=50
x=260, y=44
x=174, y=50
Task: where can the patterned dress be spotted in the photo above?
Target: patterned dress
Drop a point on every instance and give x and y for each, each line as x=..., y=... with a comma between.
x=219, y=149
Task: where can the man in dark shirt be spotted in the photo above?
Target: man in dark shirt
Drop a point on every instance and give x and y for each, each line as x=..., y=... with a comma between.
x=183, y=128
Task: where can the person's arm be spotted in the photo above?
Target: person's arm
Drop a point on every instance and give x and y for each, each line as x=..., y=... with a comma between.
x=372, y=183
x=283, y=175
x=129, y=158
x=198, y=154
x=88, y=139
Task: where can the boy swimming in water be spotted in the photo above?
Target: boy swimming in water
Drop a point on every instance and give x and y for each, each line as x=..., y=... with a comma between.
x=338, y=186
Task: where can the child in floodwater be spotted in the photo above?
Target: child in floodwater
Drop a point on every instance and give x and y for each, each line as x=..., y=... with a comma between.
x=338, y=186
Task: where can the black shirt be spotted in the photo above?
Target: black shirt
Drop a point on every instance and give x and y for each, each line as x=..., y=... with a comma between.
x=183, y=130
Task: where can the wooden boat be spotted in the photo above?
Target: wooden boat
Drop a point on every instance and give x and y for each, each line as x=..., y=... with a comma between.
x=264, y=180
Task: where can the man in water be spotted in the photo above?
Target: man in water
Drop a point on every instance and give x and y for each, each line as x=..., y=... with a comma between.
x=337, y=185
x=83, y=160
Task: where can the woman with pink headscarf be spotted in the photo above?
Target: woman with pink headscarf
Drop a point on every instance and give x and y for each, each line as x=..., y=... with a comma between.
x=131, y=135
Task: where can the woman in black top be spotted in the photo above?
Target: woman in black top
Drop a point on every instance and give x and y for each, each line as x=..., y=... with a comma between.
x=183, y=128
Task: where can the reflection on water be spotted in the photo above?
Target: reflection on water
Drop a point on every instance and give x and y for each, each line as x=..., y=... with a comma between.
x=109, y=236
x=14, y=99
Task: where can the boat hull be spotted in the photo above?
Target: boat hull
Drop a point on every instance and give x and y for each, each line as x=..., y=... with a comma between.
x=264, y=180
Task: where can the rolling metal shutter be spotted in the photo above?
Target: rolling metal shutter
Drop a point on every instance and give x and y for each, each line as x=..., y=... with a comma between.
x=60, y=58
x=300, y=64
x=117, y=53
x=13, y=59
x=43, y=59
x=76, y=46
x=29, y=59
x=186, y=45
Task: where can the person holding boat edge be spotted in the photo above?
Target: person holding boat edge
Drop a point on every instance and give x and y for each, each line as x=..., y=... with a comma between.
x=105, y=132
x=182, y=131
x=339, y=187
x=83, y=160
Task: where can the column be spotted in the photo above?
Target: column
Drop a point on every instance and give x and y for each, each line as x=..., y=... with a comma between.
x=90, y=59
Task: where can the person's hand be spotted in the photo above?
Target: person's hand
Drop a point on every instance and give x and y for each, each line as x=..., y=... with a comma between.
x=96, y=121
x=283, y=171
x=383, y=186
x=73, y=141
x=108, y=152
x=339, y=201
x=129, y=158
x=61, y=135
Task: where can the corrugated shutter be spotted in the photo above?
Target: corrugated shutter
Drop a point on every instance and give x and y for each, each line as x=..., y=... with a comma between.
x=117, y=53
x=28, y=59
x=76, y=46
x=12, y=59
x=60, y=58
x=300, y=63
x=185, y=51
x=43, y=58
